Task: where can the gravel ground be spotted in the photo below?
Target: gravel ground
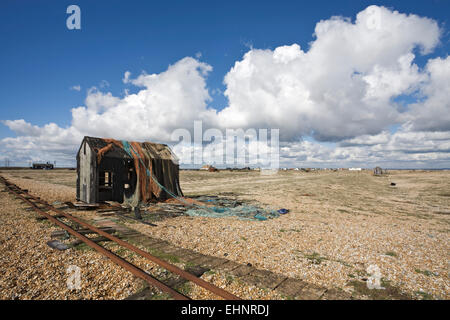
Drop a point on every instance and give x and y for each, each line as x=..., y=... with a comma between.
x=32, y=270
x=233, y=285
x=339, y=224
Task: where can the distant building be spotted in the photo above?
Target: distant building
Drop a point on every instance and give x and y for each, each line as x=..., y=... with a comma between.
x=378, y=171
x=354, y=169
x=208, y=167
x=44, y=166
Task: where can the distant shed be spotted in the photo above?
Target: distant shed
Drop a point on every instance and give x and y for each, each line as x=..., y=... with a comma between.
x=378, y=171
x=126, y=172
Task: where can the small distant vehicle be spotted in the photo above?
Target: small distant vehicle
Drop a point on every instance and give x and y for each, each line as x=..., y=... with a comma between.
x=43, y=166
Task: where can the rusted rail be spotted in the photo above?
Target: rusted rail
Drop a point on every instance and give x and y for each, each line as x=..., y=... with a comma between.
x=120, y=261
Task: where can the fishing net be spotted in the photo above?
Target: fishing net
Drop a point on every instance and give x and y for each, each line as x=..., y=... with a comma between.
x=201, y=207
x=245, y=212
x=148, y=164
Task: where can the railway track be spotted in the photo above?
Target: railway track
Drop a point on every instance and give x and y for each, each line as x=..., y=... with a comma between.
x=38, y=204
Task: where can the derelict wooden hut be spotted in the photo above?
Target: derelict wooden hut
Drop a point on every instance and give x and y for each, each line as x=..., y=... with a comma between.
x=126, y=172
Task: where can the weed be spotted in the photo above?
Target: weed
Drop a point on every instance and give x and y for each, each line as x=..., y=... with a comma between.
x=388, y=293
x=315, y=258
x=184, y=288
x=424, y=295
x=160, y=296
x=164, y=256
x=82, y=247
x=229, y=279
x=391, y=253
x=424, y=272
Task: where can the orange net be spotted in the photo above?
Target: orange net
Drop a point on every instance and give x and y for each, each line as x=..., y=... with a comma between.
x=142, y=162
x=102, y=151
x=147, y=185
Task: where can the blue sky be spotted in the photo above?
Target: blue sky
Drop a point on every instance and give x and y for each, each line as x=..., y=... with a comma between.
x=41, y=59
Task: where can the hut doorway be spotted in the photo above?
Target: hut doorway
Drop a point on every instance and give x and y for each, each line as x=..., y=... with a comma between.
x=130, y=179
x=105, y=185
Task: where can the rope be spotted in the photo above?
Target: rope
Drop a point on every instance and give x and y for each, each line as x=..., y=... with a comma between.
x=129, y=149
x=215, y=212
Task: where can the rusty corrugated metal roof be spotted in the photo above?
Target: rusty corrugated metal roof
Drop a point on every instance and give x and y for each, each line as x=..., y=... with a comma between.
x=155, y=150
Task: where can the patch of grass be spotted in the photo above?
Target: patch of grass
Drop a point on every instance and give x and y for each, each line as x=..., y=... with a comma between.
x=388, y=293
x=315, y=258
x=44, y=222
x=243, y=238
x=343, y=263
x=121, y=251
x=184, y=288
x=292, y=230
x=82, y=247
x=424, y=272
x=189, y=265
x=161, y=296
x=391, y=253
x=424, y=295
x=164, y=256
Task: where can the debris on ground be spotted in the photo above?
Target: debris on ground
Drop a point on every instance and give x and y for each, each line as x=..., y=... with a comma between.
x=55, y=244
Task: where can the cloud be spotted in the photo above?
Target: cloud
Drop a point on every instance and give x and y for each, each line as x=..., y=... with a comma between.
x=402, y=149
x=343, y=89
x=33, y=143
x=126, y=77
x=433, y=112
x=167, y=101
x=76, y=88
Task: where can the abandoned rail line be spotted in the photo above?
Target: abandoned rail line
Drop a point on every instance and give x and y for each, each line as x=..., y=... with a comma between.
x=35, y=201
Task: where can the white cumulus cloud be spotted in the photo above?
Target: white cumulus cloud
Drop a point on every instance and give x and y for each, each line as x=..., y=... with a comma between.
x=341, y=87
